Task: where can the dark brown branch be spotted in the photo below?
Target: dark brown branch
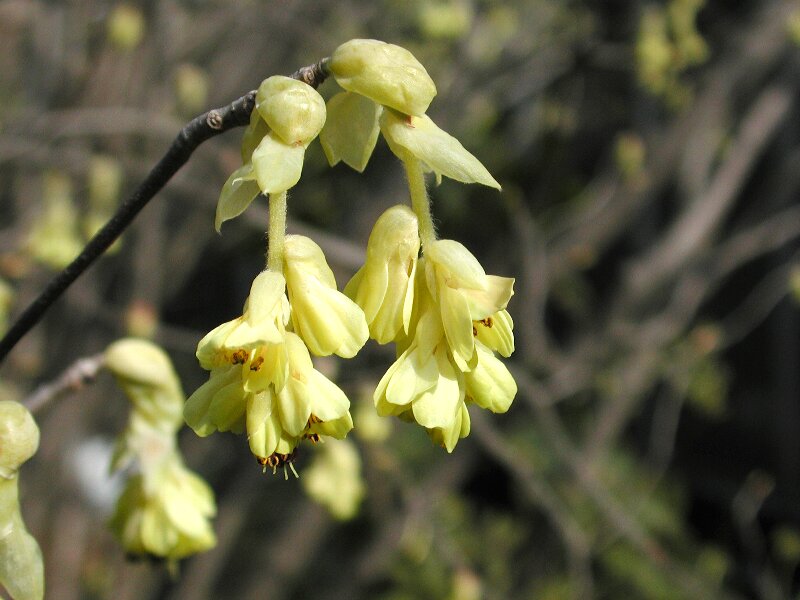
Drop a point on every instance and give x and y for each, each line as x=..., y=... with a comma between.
x=197, y=131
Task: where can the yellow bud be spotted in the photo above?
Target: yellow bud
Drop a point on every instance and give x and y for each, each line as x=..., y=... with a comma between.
x=19, y=436
x=294, y=110
x=385, y=73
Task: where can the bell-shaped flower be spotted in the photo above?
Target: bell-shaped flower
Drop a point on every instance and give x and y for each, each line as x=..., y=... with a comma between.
x=384, y=286
x=418, y=137
x=464, y=293
x=384, y=73
x=308, y=405
x=21, y=566
x=165, y=512
x=328, y=321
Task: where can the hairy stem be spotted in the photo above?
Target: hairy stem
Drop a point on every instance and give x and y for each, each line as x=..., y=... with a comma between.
x=420, y=202
x=277, y=231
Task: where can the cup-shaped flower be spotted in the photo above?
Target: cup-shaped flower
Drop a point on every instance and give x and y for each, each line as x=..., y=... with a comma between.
x=165, y=512
x=385, y=73
x=464, y=293
x=328, y=321
x=384, y=286
x=417, y=137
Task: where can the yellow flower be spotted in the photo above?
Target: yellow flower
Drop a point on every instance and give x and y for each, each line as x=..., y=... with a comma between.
x=327, y=320
x=434, y=379
x=309, y=405
x=384, y=286
x=262, y=379
x=464, y=293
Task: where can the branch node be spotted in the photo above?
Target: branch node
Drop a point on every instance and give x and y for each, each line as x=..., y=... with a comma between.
x=214, y=119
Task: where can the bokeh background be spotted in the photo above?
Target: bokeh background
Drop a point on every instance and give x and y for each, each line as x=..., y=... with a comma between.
x=649, y=153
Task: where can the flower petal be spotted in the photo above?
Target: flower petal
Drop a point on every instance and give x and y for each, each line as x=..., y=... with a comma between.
x=490, y=384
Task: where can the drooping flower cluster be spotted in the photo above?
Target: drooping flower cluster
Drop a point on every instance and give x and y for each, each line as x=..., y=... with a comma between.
x=431, y=297
x=165, y=509
x=445, y=314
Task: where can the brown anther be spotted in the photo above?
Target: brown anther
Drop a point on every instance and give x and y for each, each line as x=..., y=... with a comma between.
x=313, y=437
x=487, y=322
x=256, y=364
x=312, y=418
x=474, y=331
x=239, y=357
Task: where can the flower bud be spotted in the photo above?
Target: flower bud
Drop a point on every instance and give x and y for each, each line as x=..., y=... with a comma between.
x=19, y=437
x=385, y=73
x=294, y=110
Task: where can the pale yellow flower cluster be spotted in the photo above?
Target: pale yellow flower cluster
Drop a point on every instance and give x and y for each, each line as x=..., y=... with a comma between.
x=262, y=378
x=165, y=509
x=431, y=297
x=447, y=318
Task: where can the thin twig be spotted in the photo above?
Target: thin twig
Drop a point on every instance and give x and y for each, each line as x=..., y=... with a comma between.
x=75, y=377
x=197, y=131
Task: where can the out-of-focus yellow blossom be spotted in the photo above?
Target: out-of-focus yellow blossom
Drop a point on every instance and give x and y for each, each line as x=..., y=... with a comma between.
x=384, y=286
x=328, y=321
x=54, y=239
x=165, y=509
x=334, y=478
x=21, y=567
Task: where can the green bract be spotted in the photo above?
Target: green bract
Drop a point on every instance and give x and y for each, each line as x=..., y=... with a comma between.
x=293, y=110
x=385, y=73
x=351, y=131
x=440, y=152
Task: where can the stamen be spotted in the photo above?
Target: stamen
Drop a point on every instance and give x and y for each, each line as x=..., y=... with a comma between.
x=239, y=357
x=256, y=364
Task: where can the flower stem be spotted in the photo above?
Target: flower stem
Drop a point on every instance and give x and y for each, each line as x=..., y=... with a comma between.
x=277, y=231
x=420, y=202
